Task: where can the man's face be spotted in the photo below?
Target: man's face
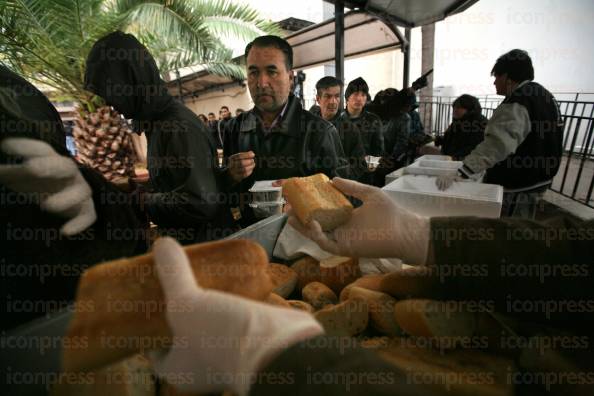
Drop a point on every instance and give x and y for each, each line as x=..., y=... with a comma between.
x=356, y=101
x=329, y=100
x=224, y=113
x=269, y=80
x=501, y=84
x=211, y=117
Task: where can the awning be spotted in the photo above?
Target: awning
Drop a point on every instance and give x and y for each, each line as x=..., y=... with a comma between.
x=364, y=34
x=410, y=13
x=199, y=82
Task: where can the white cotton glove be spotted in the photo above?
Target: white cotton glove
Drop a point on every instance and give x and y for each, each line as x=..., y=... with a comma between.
x=445, y=182
x=379, y=228
x=56, y=179
x=228, y=339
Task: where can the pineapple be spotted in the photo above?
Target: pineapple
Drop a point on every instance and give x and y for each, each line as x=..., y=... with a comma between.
x=103, y=141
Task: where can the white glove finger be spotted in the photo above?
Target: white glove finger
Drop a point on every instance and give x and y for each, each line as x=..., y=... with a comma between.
x=355, y=189
x=53, y=167
x=83, y=220
x=317, y=235
x=27, y=148
x=174, y=270
x=67, y=199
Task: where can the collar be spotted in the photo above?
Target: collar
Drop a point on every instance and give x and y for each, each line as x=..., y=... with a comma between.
x=352, y=117
x=520, y=85
x=284, y=123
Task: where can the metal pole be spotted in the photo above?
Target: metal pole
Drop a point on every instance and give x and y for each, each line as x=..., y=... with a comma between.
x=339, y=42
x=406, y=70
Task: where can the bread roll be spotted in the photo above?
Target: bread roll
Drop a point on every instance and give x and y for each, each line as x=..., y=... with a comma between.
x=315, y=198
x=337, y=272
x=283, y=279
x=345, y=319
x=120, y=309
x=308, y=270
x=370, y=282
x=318, y=295
x=381, y=310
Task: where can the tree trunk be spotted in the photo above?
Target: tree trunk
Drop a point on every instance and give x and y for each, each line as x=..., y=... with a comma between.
x=103, y=141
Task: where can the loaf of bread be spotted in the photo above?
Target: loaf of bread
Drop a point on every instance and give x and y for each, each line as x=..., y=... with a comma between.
x=381, y=310
x=302, y=305
x=445, y=324
x=283, y=279
x=318, y=295
x=308, y=270
x=370, y=282
x=120, y=308
x=336, y=272
x=279, y=301
x=316, y=198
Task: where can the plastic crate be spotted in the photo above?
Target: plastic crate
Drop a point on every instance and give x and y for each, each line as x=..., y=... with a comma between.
x=420, y=194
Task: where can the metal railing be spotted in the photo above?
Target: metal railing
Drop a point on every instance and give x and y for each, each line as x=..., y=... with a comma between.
x=575, y=178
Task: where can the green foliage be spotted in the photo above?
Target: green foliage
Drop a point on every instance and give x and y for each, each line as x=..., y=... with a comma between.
x=48, y=40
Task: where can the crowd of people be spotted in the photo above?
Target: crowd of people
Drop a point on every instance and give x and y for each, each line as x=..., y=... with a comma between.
x=199, y=198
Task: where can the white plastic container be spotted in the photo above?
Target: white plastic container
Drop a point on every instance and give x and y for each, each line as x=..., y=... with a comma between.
x=267, y=209
x=263, y=191
x=434, y=158
x=419, y=194
x=439, y=169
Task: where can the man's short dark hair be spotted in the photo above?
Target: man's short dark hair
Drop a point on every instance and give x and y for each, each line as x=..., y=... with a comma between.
x=273, y=42
x=327, y=82
x=224, y=107
x=516, y=64
x=212, y=114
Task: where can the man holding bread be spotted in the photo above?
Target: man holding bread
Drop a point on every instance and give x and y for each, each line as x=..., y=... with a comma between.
x=278, y=139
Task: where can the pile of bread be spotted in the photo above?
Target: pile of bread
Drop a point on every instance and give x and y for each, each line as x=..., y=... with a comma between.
x=332, y=290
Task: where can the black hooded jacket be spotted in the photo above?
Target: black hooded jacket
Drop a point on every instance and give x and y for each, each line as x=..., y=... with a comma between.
x=189, y=201
x=463, y=135
x=40, y=267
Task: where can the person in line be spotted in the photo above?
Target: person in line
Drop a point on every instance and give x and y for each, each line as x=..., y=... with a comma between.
x=58, y=217
x=189, y=198
x=466, y=131
x=523, y=141
x=278, y=139
x=369, y=124
x=328, y=91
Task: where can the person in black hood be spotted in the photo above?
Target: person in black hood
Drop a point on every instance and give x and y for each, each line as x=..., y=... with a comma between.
x=188, y=201
x=467, y=129
x=43, y=251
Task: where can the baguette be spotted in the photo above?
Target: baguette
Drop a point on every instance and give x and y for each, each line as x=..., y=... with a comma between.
x=316, y=198
x=381, y=310
x=120, y=307
x=370, y=282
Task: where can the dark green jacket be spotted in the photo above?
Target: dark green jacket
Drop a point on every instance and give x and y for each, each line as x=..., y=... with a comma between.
x=302, y=144
x=352, y=144
x=370, y=126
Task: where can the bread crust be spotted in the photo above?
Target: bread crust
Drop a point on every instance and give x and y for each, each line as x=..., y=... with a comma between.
x=120, y=307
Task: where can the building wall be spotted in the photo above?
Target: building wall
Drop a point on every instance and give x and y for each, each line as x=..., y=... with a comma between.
x=235, y=97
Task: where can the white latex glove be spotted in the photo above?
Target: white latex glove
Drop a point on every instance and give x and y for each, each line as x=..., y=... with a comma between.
x=56, y=179
x=379, y=228
x=229, y=338
x=445, y=182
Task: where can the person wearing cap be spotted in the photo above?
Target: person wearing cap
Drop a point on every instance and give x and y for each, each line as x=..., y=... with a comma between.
x=370, y=125
x=328, y=97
